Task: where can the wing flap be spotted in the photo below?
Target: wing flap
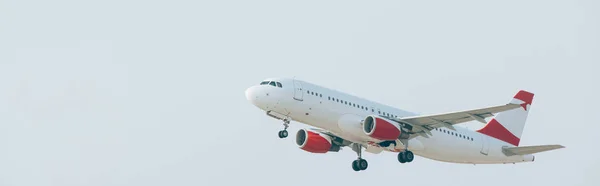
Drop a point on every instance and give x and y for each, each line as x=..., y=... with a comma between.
x=511, y=151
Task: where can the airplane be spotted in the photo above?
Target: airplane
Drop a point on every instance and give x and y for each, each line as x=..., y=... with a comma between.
x=341, y=120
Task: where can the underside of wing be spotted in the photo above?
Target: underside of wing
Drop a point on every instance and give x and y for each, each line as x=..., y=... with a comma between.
x=335, y=138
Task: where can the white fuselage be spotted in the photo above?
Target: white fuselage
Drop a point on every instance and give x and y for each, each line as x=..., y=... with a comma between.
x=323, y=108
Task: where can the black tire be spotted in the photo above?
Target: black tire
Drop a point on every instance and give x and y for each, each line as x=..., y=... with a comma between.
x=284, y=133
x=409, y=156
x=402, y=157
x=355, y=165
x=363, y=164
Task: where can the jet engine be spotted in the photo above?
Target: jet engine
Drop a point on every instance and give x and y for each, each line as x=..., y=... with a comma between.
x=315, y=142
x=381, y=128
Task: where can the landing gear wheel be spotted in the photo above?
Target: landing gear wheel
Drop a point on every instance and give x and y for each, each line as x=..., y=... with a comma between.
x=405, y=157
x=355, y=165
x=409, y=156
x=283, y=134
x=362, y=164
x=402, y=157
x=359, y=164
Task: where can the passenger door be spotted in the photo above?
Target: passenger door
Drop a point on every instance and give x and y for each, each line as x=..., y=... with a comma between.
x=298, y=92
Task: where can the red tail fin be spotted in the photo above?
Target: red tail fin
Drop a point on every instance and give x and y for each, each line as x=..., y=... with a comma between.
x=508, y=125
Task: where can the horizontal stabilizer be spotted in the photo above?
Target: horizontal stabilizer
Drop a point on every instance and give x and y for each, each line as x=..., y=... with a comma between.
x=511, y=151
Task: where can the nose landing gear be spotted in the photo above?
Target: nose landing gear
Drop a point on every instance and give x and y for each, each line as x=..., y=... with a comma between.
x=284, y=133
x=286, y=122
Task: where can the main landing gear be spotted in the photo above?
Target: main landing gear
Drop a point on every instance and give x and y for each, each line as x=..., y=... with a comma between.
x=406, y=156
x=284, y=133
x=359, y=164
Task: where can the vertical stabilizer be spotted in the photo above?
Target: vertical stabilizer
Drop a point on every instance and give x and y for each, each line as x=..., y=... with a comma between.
x=508, y=125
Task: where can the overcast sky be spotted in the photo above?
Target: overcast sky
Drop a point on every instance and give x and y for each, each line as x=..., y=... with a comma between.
x=151, y=93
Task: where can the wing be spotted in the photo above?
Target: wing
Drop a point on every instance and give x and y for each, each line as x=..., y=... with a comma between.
x=422, y=125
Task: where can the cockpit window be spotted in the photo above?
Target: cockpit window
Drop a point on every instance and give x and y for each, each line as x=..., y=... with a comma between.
x=272, y=83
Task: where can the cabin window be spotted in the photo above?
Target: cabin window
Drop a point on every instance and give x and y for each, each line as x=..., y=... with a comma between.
x=273, y=83
x=279, y=85
x=320, y=95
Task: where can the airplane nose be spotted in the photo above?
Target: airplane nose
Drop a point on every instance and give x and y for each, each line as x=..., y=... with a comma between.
x=251, y=95
x=248, y=96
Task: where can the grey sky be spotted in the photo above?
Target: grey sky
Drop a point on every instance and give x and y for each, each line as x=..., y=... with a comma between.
x=152, y=92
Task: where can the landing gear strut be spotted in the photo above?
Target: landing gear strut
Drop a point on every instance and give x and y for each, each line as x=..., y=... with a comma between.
x=284, y=133
x=359, y=164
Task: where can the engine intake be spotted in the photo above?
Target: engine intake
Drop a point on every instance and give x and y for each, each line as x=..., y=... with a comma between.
x=381, y=128
x=314, y=142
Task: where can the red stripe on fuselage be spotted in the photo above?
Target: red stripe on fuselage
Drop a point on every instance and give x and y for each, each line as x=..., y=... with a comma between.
x=496, y=130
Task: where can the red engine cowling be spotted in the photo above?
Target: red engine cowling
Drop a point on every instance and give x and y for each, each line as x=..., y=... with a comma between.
x=381, y=128
x=313, y=141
